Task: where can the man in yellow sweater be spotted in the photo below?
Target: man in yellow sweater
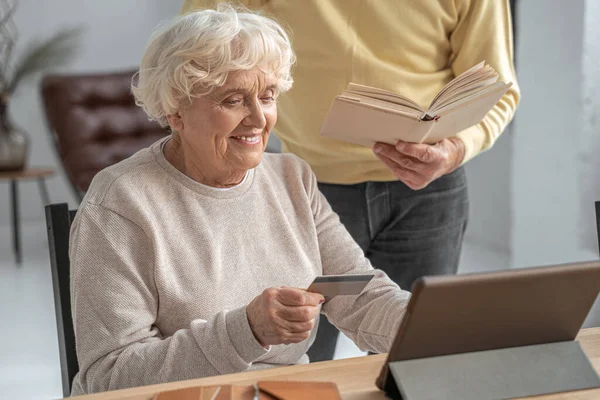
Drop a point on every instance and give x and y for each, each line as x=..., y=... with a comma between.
x=405, y=205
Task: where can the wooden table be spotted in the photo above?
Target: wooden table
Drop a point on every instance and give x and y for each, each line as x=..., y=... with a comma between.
x=40, y=174
x=355, y=377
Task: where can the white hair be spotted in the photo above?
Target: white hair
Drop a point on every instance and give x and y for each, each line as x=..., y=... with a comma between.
x=196, y=52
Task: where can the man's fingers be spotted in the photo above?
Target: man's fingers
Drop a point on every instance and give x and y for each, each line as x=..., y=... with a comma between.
x=401, y=160
x=420, y=151
x=391, y=164
x=399, y=172
x=384, y=149
x=412, y=179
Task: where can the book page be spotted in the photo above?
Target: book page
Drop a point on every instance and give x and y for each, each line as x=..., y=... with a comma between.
x=391, y=101
x=484, y=78
x=407, y=111
x=451, y=97
x=460, y=78
x=456, y=118
x=482, y=75
x=497, y=87
x=384, y=95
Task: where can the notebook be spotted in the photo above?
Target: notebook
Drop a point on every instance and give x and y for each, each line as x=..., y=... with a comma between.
x=364, y=115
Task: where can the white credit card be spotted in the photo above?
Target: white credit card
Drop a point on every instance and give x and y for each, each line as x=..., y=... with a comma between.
x=335, y=285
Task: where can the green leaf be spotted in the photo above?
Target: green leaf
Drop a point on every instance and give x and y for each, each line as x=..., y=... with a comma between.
x=40, y=56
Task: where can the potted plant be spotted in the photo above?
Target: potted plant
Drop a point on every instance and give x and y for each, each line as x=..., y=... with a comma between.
x=38, y=56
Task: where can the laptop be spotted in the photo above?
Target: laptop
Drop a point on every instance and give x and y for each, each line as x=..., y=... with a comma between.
x=493, y=310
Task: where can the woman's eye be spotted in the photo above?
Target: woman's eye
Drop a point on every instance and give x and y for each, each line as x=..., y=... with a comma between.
x=233, y=102
x=268, y=98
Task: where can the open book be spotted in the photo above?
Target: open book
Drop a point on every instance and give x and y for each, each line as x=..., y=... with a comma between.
x=364, y=115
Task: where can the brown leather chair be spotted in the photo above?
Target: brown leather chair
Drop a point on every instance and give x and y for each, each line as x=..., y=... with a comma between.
x=95, y=123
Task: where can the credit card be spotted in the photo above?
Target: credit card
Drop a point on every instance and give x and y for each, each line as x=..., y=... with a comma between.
x=336, y=285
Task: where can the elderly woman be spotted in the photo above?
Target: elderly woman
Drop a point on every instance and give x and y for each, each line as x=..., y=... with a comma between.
x=188, y=258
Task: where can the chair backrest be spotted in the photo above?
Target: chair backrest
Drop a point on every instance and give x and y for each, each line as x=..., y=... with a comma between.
x=58, y=222
x=598, y=223
x=95, y=123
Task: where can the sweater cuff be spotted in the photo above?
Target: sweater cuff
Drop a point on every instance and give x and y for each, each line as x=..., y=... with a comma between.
x=473, y=139
x=227, y=341
x=242, y=337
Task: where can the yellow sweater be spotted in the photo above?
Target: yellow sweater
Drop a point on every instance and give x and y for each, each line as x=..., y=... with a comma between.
x=413, y=47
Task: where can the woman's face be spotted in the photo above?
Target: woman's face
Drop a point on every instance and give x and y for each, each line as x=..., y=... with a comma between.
x=226, y=131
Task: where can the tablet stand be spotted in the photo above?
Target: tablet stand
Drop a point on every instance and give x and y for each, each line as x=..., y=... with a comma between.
x=494, y=374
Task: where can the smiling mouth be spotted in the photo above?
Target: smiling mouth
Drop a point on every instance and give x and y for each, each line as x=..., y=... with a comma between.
x=248, y=139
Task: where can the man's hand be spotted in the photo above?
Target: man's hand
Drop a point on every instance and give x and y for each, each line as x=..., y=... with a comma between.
x=283, y=315
x=417, y=165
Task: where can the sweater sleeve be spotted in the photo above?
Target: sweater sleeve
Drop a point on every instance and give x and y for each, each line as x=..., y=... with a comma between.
x=371, y=319
x=114, y=304
x=484, y=33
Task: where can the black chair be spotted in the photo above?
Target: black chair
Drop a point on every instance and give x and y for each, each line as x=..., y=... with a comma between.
x=598, y=223
x=58, y=222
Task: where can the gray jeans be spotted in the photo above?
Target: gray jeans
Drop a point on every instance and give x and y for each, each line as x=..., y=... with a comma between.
x=406, y=233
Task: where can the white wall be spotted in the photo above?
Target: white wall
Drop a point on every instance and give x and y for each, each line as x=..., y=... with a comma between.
x=532, y=195
x=589, y=149
x=546, y=189
x=116, y=32
x=489, y=179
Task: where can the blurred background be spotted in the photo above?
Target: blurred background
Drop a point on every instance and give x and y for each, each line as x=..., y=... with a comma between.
x=532, y=196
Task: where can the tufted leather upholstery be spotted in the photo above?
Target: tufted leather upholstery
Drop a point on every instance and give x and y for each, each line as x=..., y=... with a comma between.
x=95, y=122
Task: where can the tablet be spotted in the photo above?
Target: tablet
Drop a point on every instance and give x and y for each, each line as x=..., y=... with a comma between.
x=493, y=310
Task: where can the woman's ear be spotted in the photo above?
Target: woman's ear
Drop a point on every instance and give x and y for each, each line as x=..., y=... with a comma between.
x=175, y=121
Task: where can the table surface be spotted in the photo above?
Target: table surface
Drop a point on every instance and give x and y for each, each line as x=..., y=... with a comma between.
x=355, y=377
x=28, y=173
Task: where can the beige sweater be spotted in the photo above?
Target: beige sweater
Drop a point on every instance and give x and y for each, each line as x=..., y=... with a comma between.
x=163, y=268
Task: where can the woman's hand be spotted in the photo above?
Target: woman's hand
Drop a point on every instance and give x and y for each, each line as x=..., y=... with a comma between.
x=283, y=315
x=417, y=165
